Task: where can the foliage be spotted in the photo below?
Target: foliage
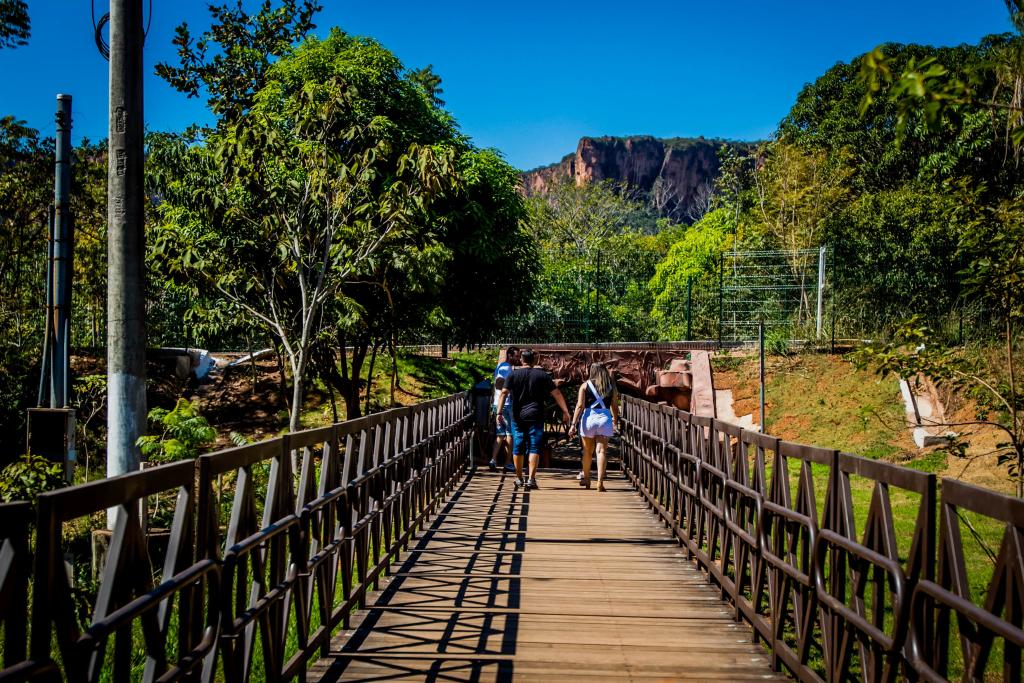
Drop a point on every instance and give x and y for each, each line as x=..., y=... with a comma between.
x=577, y=217
x=343, y=209
x=29, y=476
x=911, y=354
x=26, y=192
x=494, y=262
x=895, y=253
x=430, y=82
x=230, y=61
x=693, y=260
x=776, y=340
x=178, y=434
x=15, y=25
x=90, y=393
x=598, y=248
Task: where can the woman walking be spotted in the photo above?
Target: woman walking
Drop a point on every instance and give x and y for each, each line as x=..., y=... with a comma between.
x=597, y=412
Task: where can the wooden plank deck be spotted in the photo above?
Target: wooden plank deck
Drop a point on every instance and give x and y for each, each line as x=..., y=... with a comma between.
x=558, y=584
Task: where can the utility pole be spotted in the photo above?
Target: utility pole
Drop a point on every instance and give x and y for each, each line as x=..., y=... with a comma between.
x=55, y=380
x=126, y=328
x=63, y=251
x=51, y=425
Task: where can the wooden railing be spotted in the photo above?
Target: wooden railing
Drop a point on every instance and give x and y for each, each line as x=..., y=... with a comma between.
x=826, y=584
x=268, y=550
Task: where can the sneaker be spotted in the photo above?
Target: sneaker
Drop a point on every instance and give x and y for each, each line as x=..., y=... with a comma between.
x=493, y=466
x=509, y=467
x=532, y=484
x=519, y=483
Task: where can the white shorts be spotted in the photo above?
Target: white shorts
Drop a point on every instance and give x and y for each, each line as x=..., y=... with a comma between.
x=596, y=422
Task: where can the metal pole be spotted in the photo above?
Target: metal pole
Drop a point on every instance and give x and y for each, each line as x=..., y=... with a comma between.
x=821, y=286
x=45, y=384
x=597, y=298
x=62, y=253
x=126, y=331
x=721, y=300
x=760, y=346
x=689, y=308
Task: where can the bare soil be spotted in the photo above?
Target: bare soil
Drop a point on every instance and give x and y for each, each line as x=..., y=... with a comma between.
x=824, y=400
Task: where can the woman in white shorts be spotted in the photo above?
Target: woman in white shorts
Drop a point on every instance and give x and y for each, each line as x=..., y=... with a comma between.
x=597, y=413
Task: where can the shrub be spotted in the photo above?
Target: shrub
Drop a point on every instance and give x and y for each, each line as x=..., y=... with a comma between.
x=29, y=476
x=182, y=433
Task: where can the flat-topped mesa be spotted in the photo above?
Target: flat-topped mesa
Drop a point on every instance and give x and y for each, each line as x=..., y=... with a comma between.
x=683, y=166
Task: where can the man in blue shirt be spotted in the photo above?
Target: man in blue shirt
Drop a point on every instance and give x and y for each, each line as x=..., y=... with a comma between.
x=528, y=388
x=502, y=432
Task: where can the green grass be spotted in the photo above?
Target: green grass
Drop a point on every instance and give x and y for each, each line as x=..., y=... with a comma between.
x=420, y=378
x=822, y=400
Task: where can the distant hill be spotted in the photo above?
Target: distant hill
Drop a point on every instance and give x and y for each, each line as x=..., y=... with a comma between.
x=678, y=172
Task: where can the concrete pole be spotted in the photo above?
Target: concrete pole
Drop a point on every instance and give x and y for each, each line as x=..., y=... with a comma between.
x=821, y=288
x=126, y=329
x=60, y=350
x=760, y=347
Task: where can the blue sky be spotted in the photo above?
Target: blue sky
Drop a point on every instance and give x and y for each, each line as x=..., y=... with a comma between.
x=530, y=78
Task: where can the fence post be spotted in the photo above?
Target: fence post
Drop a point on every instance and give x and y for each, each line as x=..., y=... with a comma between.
x=689, y=308
x=821, y=288
x=760, y=346
x=721, y=300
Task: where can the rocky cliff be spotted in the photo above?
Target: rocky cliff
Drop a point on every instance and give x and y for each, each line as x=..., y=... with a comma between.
x=676, y=174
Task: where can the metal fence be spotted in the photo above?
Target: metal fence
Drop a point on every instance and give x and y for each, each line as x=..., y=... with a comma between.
x=267, y=550
x=781, y=288
x=775, y=525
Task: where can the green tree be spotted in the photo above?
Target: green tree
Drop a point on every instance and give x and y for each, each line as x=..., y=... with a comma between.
x=230, y=61
x=494, y=260
x=578, y=216
x=798, y=191
x=335, y=163
x=691, y=261
x=430, y=82
x=15, y=25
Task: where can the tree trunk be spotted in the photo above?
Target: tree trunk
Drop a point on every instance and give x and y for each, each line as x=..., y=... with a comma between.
x=444, y=347
x=369, y=376
x=347, y=381
x=394, y=368
x=297, y=388
x=334, y=404
x=283, y=386
x=1013, y=404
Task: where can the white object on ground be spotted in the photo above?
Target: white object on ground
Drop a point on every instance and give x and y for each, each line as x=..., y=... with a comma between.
x=924, y=415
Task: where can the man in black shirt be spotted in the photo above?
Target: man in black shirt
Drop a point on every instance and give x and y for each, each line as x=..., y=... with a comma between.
x=528, y=388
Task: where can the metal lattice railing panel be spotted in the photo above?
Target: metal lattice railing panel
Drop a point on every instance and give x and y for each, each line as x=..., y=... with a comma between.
x=269, y=548
x=830, y=585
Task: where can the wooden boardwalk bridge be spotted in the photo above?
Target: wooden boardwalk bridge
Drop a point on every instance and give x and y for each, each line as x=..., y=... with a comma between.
x=371, y=549
x=556, y=584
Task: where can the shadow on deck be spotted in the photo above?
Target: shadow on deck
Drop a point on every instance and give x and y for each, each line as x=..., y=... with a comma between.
x=560, y=583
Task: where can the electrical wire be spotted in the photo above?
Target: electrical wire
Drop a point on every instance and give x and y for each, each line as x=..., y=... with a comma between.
x=97, y=27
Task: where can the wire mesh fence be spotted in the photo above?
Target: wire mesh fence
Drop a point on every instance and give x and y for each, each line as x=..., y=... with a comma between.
x=784, y=289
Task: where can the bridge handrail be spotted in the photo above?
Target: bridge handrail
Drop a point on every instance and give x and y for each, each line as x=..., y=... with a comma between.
x=271, y=547
x=772, y=524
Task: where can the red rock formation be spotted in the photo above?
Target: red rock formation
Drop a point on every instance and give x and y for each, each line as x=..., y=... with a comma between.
x=683, y=164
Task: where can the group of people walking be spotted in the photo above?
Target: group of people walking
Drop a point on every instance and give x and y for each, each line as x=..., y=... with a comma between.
x=520, y=391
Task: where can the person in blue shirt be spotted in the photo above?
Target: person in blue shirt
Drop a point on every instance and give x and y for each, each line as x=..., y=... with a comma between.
x=528, y=387
x=502, y=432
